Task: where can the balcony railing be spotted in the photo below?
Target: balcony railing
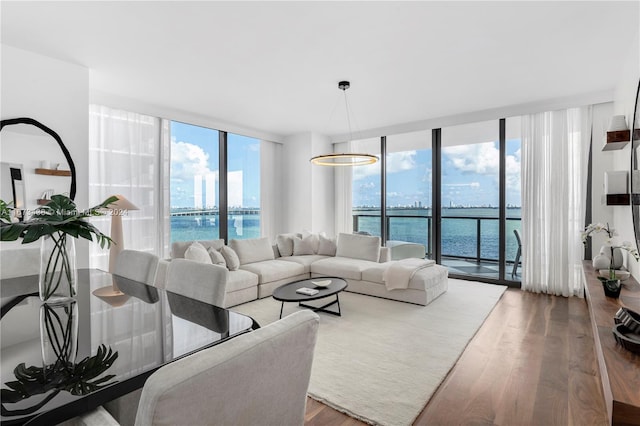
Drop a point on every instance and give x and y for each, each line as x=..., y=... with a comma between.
x=463, y=237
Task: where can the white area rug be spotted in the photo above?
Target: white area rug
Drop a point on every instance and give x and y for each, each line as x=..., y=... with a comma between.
x=382, y=360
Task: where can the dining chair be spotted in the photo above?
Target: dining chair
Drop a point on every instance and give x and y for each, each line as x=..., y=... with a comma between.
x=200, y=281
x=258, y=378
x=516, y=262
x=137, y=266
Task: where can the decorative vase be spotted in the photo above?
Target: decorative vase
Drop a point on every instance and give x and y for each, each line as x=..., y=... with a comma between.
x=611, y=287
x=615, y=253
x=59, y=333
x=601, y=261
x=58, y=280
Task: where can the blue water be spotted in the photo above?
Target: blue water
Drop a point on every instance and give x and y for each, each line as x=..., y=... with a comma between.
x=459, y=229
x=206, y=227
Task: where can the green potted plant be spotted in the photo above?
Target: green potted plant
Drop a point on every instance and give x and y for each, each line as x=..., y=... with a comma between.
x=5, y=211
x=610, y=283
x=57, y=224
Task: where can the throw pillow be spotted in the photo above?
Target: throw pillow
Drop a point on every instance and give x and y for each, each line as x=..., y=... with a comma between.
x=216, y=257
x=178, y=248
x=358, y=247
x=303, y=246
x=327, y=246
x=285, y=244
x=252, y=250
x=198, y=253
x=315, y=238
x=230, y=257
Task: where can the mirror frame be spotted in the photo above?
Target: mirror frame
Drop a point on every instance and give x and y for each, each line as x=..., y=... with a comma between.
x=65, y=151
x=635, y=168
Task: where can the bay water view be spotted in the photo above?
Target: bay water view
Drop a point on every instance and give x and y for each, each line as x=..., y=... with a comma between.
x=461, y=227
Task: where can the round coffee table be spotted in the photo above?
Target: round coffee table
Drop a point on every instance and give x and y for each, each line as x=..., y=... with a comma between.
x=287, y=293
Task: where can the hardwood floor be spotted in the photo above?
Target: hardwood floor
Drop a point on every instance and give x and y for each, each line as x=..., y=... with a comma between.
x=531, y=363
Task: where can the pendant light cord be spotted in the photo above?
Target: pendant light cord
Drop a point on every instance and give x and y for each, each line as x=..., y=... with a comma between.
x=346, y=106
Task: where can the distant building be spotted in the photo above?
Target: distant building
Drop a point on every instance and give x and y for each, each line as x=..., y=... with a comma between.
x=197, y=191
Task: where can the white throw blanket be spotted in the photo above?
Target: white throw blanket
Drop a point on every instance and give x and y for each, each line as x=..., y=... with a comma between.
x=398, y=275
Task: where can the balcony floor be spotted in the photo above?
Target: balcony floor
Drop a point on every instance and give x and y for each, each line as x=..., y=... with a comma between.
x=479, y=269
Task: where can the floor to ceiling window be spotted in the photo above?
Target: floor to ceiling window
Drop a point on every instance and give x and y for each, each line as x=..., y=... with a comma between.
x=194, y=183
x=513, y=199
x=477, y=198
x=243, y=186
x=408, y=183
x=199, y=195
x=470, y=198
x=366, y=190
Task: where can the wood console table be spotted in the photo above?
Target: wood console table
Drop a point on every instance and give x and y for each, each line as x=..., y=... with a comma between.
x=619, y=368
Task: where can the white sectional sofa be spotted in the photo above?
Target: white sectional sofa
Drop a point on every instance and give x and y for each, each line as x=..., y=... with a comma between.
x=257, y=268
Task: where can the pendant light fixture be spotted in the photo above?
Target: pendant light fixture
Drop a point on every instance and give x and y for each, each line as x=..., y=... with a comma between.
x=345, y=159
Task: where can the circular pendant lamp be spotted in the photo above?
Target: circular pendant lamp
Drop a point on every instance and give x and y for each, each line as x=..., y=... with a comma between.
x=344, y=159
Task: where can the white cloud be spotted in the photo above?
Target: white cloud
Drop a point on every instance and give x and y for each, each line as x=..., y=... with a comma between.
x=484, y=159
x=471, y=184
x=479, y=158
x=396, y=162
x=367, y=185
x=513, y=171
x=187, y=161
x=401, y=161
x=428, y=175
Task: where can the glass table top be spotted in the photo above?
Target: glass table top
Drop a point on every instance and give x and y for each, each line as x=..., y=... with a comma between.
x=59, y=360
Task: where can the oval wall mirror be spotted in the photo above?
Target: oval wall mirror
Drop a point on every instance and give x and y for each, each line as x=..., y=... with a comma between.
x=35, y=167
x=635, y=167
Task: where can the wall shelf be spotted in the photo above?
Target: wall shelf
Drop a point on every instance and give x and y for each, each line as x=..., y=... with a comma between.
x=53, y=172
x=617, y=140
x=618, y=199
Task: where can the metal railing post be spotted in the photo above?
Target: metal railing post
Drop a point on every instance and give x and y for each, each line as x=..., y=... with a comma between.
x=355, y=222
x=429, y=236
x=388, y=220
x=478, y=239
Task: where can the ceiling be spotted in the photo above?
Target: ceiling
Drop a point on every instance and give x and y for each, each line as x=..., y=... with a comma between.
x=274, y=66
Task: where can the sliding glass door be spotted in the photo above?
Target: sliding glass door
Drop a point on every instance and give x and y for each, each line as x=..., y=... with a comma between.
x=470, y=227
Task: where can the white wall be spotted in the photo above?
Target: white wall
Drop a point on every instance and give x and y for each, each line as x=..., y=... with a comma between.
x=308, y=189
x=55, y=93
x=322, y=183
x=602, y=161
x=624, y=103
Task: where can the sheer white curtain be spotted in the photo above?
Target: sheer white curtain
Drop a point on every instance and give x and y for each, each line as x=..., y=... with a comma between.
x=270, y=189
x=129, y=155
x=555, y=149
x=343, y=193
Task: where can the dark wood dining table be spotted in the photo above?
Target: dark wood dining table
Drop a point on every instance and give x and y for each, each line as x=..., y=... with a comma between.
x=59, y=360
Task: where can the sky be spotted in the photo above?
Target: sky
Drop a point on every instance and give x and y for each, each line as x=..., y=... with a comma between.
x=469, y=173
x=469, y=177
x=194, y=153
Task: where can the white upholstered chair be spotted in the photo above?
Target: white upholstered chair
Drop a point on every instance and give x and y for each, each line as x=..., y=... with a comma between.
x=258, y=378
x=196, y=280
x=137, y=266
